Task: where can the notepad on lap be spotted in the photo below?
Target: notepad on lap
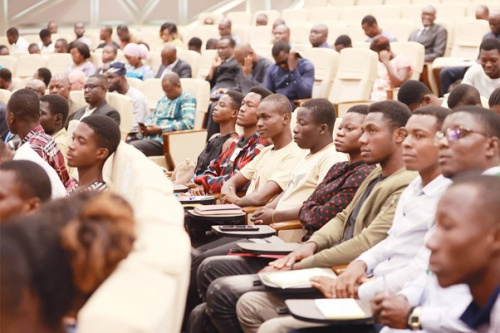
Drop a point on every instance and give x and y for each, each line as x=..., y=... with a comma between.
x=294, y=279
x=228, y=209
x=344, y=308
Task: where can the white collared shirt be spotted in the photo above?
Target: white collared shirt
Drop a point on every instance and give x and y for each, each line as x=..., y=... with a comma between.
x=402, y=256
x=169, y=68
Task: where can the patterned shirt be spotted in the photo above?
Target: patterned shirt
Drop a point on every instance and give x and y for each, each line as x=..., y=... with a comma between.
x=172, y=115
x=333, y=194
x=46, y=147
x=239, y=154
x=142, y=73
x=99, y=186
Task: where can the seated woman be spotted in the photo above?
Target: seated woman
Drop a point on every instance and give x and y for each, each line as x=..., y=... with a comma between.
x=135, y=53
x=392, y=70
x=80, y=53
x=53, y=261
x=170, y=35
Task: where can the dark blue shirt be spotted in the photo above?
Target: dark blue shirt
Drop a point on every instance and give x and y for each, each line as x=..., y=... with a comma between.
x=475, y=317
x=296, y=84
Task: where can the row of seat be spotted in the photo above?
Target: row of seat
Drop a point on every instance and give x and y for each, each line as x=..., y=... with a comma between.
x=340, y=3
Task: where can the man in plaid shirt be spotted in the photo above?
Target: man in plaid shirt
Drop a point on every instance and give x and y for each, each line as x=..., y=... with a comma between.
x=174, y=112
x=241, y=151
x=23, y=118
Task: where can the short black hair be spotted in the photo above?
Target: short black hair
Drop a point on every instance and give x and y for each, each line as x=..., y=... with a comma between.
x=236, y=98
x=369, y=19
x=196, y=42
x=25, y=105
x=44, y=33
x=488, y=119
x=464, y=94
x=360, y=108
x=396, y=113
x=2, y=46
x=12, y=32
x=343, y=40
x=45, y=74
x=279, y=47
x=170, y=26
x=57, y=105
x=259, y=90
x=6, y=74
x=31, y=178
x=231, y=41
x=323, y=111
x=122, y=27
x=489, y=44
x=437, y=111
x=412, y=91
x=281, y=101
x=494, y=98
x=106, y=131
x=81, y=47
x=102, y=78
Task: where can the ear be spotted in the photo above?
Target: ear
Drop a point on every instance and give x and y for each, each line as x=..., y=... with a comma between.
x=493, y=148
x=400, y=135
x=102, y=153
x=426, y=100
x=58, y=119
x=235, y=113
x=323, y=129
x=496, y=239
x=32, y=205
x=287, y=117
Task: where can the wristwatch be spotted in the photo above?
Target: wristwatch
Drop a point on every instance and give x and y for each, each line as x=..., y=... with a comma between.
x=413, y=322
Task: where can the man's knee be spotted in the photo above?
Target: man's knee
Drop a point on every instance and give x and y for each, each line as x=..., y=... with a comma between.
x=247, y=308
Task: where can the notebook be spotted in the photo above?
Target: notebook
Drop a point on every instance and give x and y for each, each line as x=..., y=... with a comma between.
x=343, y=308
x=227, y=209
x=294, y=279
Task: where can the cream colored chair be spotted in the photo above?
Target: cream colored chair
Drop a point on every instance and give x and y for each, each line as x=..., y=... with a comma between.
x=159, y=264
x=264, y=51
x=451, y=11
x=193, y=58
x=315, y=4
x=215, y=17
x=355, y=13
x=27, y=64
x=325, y=63
x=326, y=15
x=153, y=90
x=356, y=32
x=125, y=107
x=10, y=62
x=5, y=95
x=342, y=3
x=206, y=60
x=342, y=108
x=239, y=18
x=400, y=28
x=295, y=15
x=32, y=38
x=77, y=100
x=369, y=2
x=242, y=31
x=200, y=89
x=299, y=33
x=272, y=15
x=18, y=83
x=385, y=13
x=205, y=32
x=152, y=38
x=154, y=60
x=335, y=30
x=180, y=145
x=415, y=52
x=261, y=35
x=413, y=13
x=468, y=35
x=135, y=82
x=357, y=70
x=397, y=2
x=58, y=62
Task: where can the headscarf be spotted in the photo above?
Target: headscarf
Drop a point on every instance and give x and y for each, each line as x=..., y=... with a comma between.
x=136, y=50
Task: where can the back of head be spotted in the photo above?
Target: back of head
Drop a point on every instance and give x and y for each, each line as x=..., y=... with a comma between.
x=44, y=74
x=211, y=44
x=236, y=98
x=412, y=91
x=32, y=180
x=343, y=40
x=463, y=94
x=396, y=113
x=494, y=100
x=280, y=102
x=259, y=90
x=106, y=131
x=489, y=120
x=24, y=105
x=12, y=32
x=436, y=111
x=361, y=109
x=369, y=20
x=322, y=111
x=6, y=74
x=57, y=105
x=195, y=42
x=279, y=47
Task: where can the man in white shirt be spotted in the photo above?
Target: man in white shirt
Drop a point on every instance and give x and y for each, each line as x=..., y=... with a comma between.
x=18, y=43
x=485, y=76
x=46, y=43
x=79, y=29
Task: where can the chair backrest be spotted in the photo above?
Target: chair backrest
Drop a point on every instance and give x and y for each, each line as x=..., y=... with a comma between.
x=354, y=13
x=205, y=32
x=150, y=37
x=325, y=15
x=27, y=64
x=193, y=58
x=58, y=62
x=206, y=60
x=135, y=82
x=153, y=91
x=449, y=11
x=415, y=52
x=386, y=12
x=369, y=3
x=215, y=17
x=239, y=17
x=325, y=63
x=315, y=4
x=397, y=2
x=299, y=33
x=400, y=28
x=10, y=62
x=468, y=36
x=77, y=100
x=335, y=29
x=357, y=70
x=295, y=15
x=264, y=51
x=180, y=145
x=5, y=95
x=261, y=35
x=413, y=13
x=125, y=107
x=272, y=15
x=342, y=3
x=32, y=38
x=154, y=60
x=200, y=89
x=18, y=83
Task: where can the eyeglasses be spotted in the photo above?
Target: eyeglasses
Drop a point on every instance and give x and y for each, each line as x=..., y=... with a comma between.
x=455, y=133
x=91, y=86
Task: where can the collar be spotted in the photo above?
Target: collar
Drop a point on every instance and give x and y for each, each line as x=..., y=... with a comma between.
x=434, y=187
x=172, y=65
x=492, y=171
x=475, y=317
x=35, y=130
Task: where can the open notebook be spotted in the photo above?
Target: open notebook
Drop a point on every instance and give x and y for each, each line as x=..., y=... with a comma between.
x=294, y=279
x=227, y=209
x=344, y=308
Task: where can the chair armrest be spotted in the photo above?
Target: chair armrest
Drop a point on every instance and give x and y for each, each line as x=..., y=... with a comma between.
x=288, y=225
x=250, y=209
x=339, y=269
x=187, y=133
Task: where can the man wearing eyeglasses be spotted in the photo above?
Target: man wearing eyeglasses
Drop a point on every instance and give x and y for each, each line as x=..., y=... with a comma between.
x=94, y=91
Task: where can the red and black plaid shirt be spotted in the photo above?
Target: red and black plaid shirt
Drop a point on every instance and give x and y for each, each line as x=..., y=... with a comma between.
x=47, y=148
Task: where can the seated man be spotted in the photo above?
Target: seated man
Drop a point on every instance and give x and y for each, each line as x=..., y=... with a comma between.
x=318, y=36
x=281, y=32
x=370, y=27
x=53, y=116
x=392, y=70
x=174, y=112
x=431, y=36
x=194, y=44
x=170, y=63
x=485, y=76
x=241, y=151
x=109, y=54
x=118, y=82
x=46, y=43
x=225, y=69
x=25, y=187
x=253, y=67
x=43, y=74
x=76, y=79
x=225, y=30
x=493, y=102
x=6, y=80
x=23, y=119
x=415, y=95
x=95, y=94
x=61, y=46
x=18, y=43
x=105, y=35
x=79, y=30
x=342, y=42
x=37, y=86
x=291, y=75
x=363, y=223
x=95, y=139
x=463, y=94
x=33, y=49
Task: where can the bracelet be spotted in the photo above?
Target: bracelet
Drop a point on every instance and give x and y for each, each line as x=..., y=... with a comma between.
x=272, y=217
